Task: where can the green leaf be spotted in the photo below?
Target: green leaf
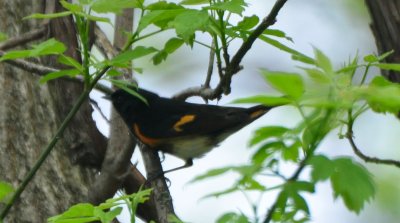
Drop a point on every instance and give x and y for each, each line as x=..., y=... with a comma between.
x=291, y=153
x=370, y=58
x=382, y=95
x=296, y=55
x=322, y=61
x=292, y=190
x=49, y=47
x=6, y=190
x=267, y=132
x=116, y=6
x=246, y=170
x=290, y=84
x=75, y=8
x=170, y=46
x=317, y=75
x=314, y=132
x=94, y=18
x=385, y=55
x=82, y=212
x=388, y=66
x=211, y=173
x=70, y=62
x=194, y=2
x=248, y=22
x=380, y=81
x=297, y=186
x=353, y=183
x=173, y=44
x=49, y=15
x=106, y=217
x=232, y=217
x=159, y=57
x=277, y=33
x=161, y=14
x=113, y=72
x=266, y=150
x=322, y=168
x=127, y=86
x=249, y=183
x=265, y=100
x=129, y=55
x=223, y=192
x=58, y=74
x=300, y=203
x=164, y=5
x=188, y=22
x=234, y=6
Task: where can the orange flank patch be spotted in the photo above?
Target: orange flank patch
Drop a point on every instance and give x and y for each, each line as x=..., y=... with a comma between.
x=256, y=114
x=146, y=140
x=184, y=120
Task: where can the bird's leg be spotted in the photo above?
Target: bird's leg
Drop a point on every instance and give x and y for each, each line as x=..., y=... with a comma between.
x=188, y=163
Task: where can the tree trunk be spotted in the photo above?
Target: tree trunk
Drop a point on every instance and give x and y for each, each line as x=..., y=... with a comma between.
x=385, y=25
x=30, y=114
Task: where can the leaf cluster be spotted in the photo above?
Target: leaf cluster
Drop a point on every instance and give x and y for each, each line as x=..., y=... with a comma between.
x=105, y=212
x=326, y=99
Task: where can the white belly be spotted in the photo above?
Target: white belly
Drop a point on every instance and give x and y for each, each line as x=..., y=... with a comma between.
x=187, y=149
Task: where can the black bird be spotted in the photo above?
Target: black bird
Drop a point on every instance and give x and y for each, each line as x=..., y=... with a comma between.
x=183, y=129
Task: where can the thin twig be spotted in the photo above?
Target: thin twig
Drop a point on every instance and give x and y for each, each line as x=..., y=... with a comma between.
x=42, y=70
x=357, y=151
x=210, y=65
x=370, y=159
x=234, y=67
x=97, y=107
x=24, y=38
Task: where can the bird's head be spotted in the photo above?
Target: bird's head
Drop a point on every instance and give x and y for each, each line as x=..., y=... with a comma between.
x=129, y=105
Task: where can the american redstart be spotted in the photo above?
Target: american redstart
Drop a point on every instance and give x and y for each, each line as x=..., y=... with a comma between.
x=183, y=129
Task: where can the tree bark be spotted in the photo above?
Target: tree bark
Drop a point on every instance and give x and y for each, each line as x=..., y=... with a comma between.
x=30, y=113
x=385, y=25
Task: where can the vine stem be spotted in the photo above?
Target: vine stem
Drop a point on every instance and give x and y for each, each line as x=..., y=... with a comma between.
x=52, y=143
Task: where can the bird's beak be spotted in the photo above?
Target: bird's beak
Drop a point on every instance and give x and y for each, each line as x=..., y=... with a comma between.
x=107, y=97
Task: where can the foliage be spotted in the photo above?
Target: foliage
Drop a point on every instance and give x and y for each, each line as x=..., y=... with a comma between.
x=327, y=99
x=5, y=191
x=105, y=212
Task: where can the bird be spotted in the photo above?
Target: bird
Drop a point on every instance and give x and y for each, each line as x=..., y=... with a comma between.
x=182, y=129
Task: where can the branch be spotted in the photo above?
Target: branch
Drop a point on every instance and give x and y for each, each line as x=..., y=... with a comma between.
x=117, y=171
x=160, y=195
x=294, y=177
x=104, y=45
x=42, y=70
x=234, y=67
x=210, y=65
x=364, y=157
x=24, y=38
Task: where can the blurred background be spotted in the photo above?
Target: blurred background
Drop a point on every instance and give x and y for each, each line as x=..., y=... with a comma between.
x=341, y=30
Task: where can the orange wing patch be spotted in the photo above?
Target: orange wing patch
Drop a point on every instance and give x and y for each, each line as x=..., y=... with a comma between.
x=146, y=140
x=184, y=120
x=257, y=114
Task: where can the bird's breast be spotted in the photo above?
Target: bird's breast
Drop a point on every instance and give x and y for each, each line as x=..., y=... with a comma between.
x=187, y=148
